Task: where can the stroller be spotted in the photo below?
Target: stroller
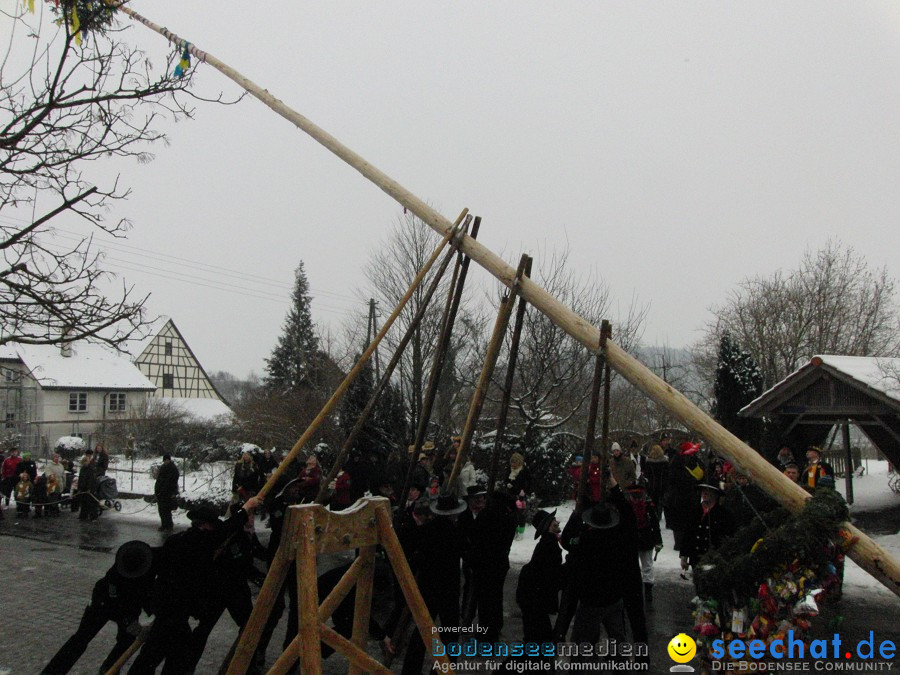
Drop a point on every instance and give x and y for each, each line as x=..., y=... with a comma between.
x=107, y=493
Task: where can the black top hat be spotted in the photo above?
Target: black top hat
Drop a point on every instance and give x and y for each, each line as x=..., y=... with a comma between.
x=134, y=559
x=708, y=486
x=447, y=505
x=601, y=516
x=204, y=514
x=541, y=521
x=476, y=490
x=422, y=505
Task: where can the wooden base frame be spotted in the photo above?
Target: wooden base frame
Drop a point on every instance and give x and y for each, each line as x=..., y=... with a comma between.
x=309, y=530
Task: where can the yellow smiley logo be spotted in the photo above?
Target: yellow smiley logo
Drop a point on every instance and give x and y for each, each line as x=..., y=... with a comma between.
x=682, y=648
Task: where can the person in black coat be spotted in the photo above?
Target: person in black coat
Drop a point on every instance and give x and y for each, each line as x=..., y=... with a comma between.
x=745, y=502
x=487, y=529
x=188, y=584
x=87, y=483
x=434, y=557
x=118, y=597
x=540, y=580
x=708, y=527
x=680, y=499
x=166, y=490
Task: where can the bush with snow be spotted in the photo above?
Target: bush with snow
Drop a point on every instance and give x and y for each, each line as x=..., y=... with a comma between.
x=69, y=447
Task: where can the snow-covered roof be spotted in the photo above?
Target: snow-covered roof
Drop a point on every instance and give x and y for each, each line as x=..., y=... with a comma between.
x=880, y=376
x=89, y=366
x=202, y=409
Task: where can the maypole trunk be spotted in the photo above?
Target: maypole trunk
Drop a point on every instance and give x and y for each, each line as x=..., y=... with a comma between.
x=869, y=555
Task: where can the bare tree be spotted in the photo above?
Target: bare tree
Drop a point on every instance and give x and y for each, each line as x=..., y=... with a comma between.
x=78, y=97
x=553, y=371
x=833, y=303
x=390, y=271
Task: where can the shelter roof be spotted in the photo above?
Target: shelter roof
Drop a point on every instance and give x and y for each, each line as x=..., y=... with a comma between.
x=876, y=377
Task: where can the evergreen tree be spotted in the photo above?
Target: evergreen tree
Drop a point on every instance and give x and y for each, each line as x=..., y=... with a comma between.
x=392, y=419
x=358, y=394
x=738, y=381
x=295, y=363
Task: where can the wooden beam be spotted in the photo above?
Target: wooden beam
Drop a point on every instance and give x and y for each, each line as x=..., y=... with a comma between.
x=362, y=607
x=582, y=501
x=308, y=596
x=865, y=552
x=359, y=660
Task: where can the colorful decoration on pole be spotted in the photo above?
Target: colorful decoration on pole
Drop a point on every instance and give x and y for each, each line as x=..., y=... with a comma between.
x=81, y=16
x=185, y=63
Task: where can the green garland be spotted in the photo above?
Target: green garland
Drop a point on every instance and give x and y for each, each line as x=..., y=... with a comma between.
x=734, y=571
x=93, y=15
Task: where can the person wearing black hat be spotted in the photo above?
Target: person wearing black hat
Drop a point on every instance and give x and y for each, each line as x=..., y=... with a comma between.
x=680, y=498
x=487, y=531
x=166, y=491
x=434, y=558
x=648, y=534
x=708, y=528
x=540, y=580
x=118, y=597
x=605, y=574
x=190, y=583
x=815, y=468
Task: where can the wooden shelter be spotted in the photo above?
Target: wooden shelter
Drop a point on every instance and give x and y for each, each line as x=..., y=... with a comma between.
x=837, y=390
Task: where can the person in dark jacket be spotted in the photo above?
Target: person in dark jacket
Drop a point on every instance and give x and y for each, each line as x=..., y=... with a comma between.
x=187, y=584
x=815, y=469
x=435, y=557
x=118, y=597
x=247, y=479
x=310, y=479
x=744, y=502
x=87, y=483
x=166, y=490
x=655, y=471
x=603, y=557
x=680, y=499
x=540, y=580
x=29, y=465
x=487, y=530
x=101, y=458
x=648, y=535
x=708, y=526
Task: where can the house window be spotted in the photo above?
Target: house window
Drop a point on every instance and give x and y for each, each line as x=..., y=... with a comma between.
x=168, y=348
x=78, y=401
x=168, y=381
x=10, y=375
x=117, y=402
x=10, y=420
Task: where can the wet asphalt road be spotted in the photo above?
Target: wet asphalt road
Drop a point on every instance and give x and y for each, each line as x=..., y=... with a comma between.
x=49, y=566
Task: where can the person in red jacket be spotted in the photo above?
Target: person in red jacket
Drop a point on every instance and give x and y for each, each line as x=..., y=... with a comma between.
x=9, y=473
x=341, y=497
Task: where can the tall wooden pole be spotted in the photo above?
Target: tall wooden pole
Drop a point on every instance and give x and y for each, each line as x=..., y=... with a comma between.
x=508, y=384
x=437, y=365
x=605, y=334
x=484, y=380
x=385, y=379
x=355, y=371
x=848, y=474
x=869, y=555
x=582, y=501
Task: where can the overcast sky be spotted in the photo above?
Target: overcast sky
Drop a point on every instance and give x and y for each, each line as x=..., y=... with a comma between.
x=676, y=147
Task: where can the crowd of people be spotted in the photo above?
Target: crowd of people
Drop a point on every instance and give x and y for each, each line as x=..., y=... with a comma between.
x=457, y=541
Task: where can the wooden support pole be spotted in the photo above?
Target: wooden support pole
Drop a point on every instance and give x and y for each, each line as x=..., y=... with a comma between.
x=454, y=299
x=388, y=539
x=605, y=334
x=484, y=380
x=508, y=383
x=848, y=474
x=355, y=371
x=308, y=596
x=582, y=500
x=359, y=661
x=385, y=379
x=362, y=607
x=869, y=555
x=131, y=651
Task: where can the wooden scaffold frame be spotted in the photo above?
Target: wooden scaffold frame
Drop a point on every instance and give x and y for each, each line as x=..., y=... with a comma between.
x=311, y=530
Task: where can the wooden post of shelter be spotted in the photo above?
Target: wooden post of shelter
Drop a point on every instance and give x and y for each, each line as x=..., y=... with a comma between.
x=385, y=378
x=508, y=383
x=332, y=402
x=484, y=380
x=848, y=474
x=865, y=552
x=448, y=319
x=310, y=530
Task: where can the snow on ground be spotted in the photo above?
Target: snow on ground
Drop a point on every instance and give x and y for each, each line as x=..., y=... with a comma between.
x=871, y=491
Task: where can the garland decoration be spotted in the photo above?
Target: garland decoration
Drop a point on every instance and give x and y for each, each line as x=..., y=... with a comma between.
x=761, y=583
x=82, y=16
